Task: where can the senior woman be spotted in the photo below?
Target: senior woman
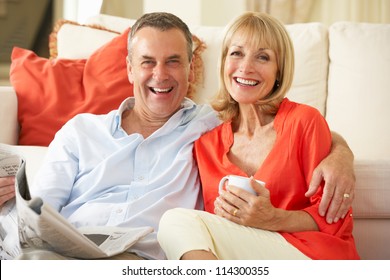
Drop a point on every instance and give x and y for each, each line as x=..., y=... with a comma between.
x=267, y=137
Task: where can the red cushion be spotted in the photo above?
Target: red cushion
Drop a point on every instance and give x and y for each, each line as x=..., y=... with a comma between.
x=50, y=92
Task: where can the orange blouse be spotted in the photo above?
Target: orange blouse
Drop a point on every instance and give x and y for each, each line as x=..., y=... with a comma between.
x=303, y=140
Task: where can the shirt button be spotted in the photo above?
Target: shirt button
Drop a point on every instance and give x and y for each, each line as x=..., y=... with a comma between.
x=119, y=210
x=141, y=178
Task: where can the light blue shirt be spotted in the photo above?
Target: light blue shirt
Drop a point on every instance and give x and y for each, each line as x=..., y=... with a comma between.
x=95, y=174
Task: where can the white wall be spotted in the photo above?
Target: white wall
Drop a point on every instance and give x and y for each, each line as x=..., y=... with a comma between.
x=76, y=10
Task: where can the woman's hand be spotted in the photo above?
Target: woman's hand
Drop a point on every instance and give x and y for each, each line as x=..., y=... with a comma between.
x=244, y=208
x=7, y=189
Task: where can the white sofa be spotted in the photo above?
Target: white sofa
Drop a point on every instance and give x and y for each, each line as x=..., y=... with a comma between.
x=342, y=70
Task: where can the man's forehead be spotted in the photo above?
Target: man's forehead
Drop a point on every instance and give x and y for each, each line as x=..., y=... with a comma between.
x=149, y=33
x=150, y=43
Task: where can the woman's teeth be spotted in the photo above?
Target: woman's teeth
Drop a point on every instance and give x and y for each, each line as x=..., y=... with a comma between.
x=246, y=82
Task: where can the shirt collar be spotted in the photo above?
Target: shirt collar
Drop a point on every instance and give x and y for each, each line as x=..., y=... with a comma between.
x=129, y=102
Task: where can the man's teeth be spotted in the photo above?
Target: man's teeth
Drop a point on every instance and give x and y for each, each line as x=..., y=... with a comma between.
x=161, y=90
x=246, y=82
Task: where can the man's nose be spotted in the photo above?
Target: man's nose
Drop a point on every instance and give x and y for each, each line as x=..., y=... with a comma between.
x=160, y=72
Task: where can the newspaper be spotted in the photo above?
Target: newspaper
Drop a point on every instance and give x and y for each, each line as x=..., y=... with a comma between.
x=9, y=236
x=38, y=225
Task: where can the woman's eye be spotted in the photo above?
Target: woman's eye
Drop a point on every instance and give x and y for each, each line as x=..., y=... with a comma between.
x=235, y=53
x=264, y=57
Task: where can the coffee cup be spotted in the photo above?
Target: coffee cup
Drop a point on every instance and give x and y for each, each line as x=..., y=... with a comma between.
x=240, y=182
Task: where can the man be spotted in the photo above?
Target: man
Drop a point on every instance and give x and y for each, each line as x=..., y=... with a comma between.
x=128, y=167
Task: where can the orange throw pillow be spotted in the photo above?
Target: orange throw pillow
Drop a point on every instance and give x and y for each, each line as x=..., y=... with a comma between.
x=50, y=92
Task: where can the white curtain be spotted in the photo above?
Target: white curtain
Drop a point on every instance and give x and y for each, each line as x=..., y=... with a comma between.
x=325, y=11
x=329, y=11
x=123, y=8
x=287, y=11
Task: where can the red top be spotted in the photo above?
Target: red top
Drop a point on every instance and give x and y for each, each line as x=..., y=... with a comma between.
x=303, y=140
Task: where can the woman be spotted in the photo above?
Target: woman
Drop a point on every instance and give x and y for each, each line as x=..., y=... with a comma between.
x=269, y=138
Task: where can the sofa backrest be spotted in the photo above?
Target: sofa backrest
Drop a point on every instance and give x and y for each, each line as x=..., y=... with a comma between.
x=8, y=115
x=310, y=41
x=358, y=88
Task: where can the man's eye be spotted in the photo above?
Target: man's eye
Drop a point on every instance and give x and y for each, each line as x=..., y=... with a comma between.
x=147, y=63
x=173, y=62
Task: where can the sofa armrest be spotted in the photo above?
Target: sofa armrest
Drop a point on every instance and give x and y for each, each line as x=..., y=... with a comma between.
x=372, y=189
x=33, y=155
x=9, y=128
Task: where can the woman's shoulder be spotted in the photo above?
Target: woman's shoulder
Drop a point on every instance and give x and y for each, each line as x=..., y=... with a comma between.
x=296, y=108
x=298, y=111
x=291, y=113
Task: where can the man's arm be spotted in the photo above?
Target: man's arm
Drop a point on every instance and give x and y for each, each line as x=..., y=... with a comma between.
x=338, y=172
x=7, y=189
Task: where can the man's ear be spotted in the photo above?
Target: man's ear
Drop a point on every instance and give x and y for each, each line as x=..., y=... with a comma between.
x=129, y=70
x=191, y=75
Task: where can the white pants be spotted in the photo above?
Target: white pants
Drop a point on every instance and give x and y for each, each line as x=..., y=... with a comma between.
x=183, y=230
x=41, y=254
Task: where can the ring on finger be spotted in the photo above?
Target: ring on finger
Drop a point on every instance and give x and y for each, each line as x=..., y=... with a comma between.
x=235, y=212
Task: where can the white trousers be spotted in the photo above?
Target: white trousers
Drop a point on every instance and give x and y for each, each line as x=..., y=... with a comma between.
x=184, y=230
x=41, y=254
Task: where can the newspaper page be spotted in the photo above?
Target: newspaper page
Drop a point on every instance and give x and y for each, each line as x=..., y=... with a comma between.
x=41, y=226
x=9, y=237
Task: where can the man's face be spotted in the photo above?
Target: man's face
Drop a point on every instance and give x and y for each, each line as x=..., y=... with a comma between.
x=160, y=71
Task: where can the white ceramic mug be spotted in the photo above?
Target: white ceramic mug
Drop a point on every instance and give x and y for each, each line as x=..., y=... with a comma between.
x=238, y=181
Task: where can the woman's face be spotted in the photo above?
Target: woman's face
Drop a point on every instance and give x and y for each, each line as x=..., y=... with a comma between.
x=250, y=71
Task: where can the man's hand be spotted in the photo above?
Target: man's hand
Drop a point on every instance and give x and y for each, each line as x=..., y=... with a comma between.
x=7, y=189
x=338, y=172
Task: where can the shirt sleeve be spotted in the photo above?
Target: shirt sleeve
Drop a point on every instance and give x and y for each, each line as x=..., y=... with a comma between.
x=315, y=146
x=55, y=179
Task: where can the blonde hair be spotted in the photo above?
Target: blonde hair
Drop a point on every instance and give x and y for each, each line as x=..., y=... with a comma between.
x=267, y=32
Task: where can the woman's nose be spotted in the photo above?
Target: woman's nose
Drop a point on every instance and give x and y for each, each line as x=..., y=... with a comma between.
x=246, y=65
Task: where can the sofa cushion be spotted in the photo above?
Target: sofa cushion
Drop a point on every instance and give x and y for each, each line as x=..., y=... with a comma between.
x=311, y=64
x=89, y=38
x=358, y=87
x=50, y=92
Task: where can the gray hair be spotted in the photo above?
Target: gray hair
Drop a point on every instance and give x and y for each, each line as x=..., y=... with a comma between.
x=161, y=21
